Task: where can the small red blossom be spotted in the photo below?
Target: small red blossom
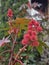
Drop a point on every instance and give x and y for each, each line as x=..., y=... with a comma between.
x=10, y=13
x=29, y=27
x=35, y=43
x=33, y=21
x=27, y=36
x=33, y=37
x=24, y=41
x=39, y=29
x=36, y=24
x=34, y=33
x=34, y=29
x=29, y=32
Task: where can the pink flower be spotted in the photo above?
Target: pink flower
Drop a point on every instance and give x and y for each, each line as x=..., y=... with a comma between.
x=36, y=24
x=24, y=41
x=4, y=40
x=35, y=43
x=10, y=13
x=33, y=37
x=33, y=22
x=39, y=29
x=27, y=36
x=29, y=27
x=34, y=33
x=29, y=32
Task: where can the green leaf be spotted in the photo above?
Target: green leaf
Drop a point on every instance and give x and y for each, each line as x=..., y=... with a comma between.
x=42, y=43
x=29, y=48
x=40, y=49
x=23, y=54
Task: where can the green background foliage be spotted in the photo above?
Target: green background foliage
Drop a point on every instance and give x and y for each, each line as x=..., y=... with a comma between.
x=13, y=4
x=32, y=55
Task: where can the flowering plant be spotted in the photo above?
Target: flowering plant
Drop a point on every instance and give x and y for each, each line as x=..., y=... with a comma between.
x=20, y=42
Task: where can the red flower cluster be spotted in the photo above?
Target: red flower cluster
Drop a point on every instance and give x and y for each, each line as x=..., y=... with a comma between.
x=31, y=36
x=34, y=25
x=10, y=13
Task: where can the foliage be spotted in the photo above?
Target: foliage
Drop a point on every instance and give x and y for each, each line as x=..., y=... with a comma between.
x=12, y=50
x=14, y=5
x=31, y=55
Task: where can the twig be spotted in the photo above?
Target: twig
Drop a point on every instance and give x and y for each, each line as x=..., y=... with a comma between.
x=19, y=52
x=12, y=52
x=19, y=62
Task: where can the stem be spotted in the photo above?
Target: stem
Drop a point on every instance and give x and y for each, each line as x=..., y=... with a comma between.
x=11, y=55
x=19, y=52
x=19, y=62
x=12, y=49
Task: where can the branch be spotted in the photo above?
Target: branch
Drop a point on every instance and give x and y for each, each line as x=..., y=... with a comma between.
x=19, y=62
x=19, y=52
x=12, y=49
